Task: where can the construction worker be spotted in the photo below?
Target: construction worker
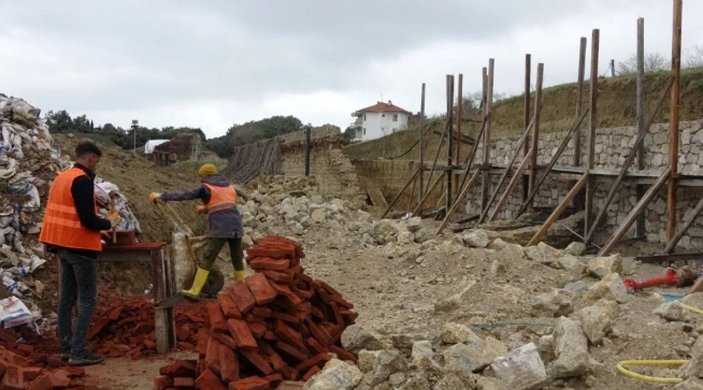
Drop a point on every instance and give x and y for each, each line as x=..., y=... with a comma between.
x=71, y=230
x=225, y=222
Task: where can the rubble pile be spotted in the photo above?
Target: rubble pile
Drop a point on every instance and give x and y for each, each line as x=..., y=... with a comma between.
x=125, y=327
x=29, y=366
x=278, y=324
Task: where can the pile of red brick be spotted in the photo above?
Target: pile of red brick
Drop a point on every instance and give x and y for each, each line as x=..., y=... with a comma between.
x=278, y=324
x=23, y=366
x=126, y=328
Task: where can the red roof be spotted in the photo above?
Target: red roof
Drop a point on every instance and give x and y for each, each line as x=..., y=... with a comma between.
x=382, y=107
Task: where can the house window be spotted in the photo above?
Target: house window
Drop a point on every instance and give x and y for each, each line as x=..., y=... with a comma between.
x=395, y=117
x=383, y=115
x=364, y=129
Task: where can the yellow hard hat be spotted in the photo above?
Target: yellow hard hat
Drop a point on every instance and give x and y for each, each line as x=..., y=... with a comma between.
x=207, y=170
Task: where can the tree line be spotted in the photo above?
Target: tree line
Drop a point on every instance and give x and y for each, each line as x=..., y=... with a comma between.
x=238, y=134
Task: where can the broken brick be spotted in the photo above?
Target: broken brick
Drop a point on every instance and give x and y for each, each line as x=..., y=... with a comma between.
x=229, y=365
x=258, y=329
x=229, y=307
x=273, y=379
x=316, y=360
x=162, y=382
x=182, y=381
x=277, y=276
x=257, y=360
x=225, y=339
x=209, y=381
x=179, y=368
x=217, y=319
x=240, y=333
x=290, y=351
x=41, y=383
x=342, y=353
x=261, y=311
x=13, y=378
x=202, y=341
x=249, y=383
x=285, y=317
x=260, y=289
x=315, y=345
x=212, y=356
x=288, y=334
x=242, y=297
x=266, y=263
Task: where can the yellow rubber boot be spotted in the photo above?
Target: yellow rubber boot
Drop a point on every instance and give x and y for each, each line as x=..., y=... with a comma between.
x=240, y=275
x=198, y=283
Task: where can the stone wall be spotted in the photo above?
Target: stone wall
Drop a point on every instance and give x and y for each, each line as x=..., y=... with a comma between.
x=612, y=147
x=334, y=172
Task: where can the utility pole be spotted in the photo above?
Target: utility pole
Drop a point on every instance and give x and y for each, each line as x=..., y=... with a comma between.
x=135, y=124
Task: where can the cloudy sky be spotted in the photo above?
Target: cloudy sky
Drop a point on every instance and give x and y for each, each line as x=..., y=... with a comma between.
x=213, y=63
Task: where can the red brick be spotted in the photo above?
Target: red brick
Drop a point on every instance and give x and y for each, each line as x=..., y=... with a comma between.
x=13, y=378
x=58, y=379
x=162, y=382
x=337, y=313
x=229, y=364
x=312, y=371
x=212, y=356
x=225, y=339
x=316, y=360
x=302, y=293
x=317, y=313
x=276, y=361
x=30, y=373
x=258, y=329
x=209, y=381
x=241, y=334
x=55, y=361
x=179, y=368
x=260, y=289
x=269, y=335
x=215, y=316
x=261, y=311
x=257, y=360
x=319, y=333
x=229, y=307
x=349, y=317
x=41, y=383
x=25, y=348
x=242, y=297
x=277, y=276
x=285, y=317
x=291, y=351
x=183, y=381
x=183, y=332
x=315, y=345
x=274, y=379
x=250, y=383
x=202, y=341
x=252, y=318
x=342, y=353
x=288, y=335
x=267, y=263
x=273, y=253
x=8, y=336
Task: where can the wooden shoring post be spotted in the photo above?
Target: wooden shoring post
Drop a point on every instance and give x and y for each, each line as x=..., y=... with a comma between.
x=459, y=113
x=526, y=120
x=397, y=196
x=535, y=128
x=639, y=207
x=486, y=178
x=436, y=155
x=639, y=115
x=626, y=165
x=674, y=121
x=450, y=139
x=431, y=188
x=579, y=100
x=461, y=195
x=696, y=212
x=592, y=126
x=467, y=162
x=509, y=188
x=508, y=168
x=421, y=141
x=559, y=210
x=562, y=146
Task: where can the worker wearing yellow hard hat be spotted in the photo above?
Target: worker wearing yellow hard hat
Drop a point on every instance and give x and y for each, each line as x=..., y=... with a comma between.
x=219, y=199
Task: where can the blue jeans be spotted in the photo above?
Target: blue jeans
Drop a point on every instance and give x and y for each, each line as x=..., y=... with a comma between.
x=78, y=283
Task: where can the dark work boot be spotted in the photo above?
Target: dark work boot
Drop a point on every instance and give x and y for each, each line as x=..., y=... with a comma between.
x=86, y=359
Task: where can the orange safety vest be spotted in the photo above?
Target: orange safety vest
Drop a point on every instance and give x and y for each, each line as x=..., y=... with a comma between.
x=221, y=198
x=61, y=225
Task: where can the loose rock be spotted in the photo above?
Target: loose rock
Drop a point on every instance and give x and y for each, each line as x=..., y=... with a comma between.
x=355, y=338
x=521, y=369
x=336, y=374
x=598, y=319
x=602, y=266
x=571, y=350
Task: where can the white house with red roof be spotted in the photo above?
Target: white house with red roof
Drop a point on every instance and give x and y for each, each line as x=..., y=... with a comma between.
x=379, y=120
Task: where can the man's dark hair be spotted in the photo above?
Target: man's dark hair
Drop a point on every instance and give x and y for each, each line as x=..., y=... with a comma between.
x=87, y=147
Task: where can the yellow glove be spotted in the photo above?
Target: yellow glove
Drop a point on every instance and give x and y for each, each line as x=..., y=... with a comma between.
x=200, y=209
x=114, y=218
x=154, y=197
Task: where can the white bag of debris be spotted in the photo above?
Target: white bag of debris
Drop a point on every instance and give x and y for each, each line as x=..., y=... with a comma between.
x=103, y=191
x=521, y=369
x=13, y=312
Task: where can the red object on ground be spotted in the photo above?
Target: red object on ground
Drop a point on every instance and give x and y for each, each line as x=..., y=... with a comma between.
x=673, y=277
x=281, y=324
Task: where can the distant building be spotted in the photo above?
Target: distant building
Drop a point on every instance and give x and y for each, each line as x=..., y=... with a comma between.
x=153, y=143
x=379, y=120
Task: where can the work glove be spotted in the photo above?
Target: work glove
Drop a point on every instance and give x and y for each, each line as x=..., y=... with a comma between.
x=200, y=209
x=155, y=197
x=114, y=218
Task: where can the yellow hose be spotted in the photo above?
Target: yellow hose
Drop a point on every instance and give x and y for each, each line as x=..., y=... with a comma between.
x=650, y=363
x=690, y=308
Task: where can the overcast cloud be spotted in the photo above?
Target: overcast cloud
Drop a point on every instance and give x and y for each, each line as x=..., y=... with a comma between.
x=211, y=64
